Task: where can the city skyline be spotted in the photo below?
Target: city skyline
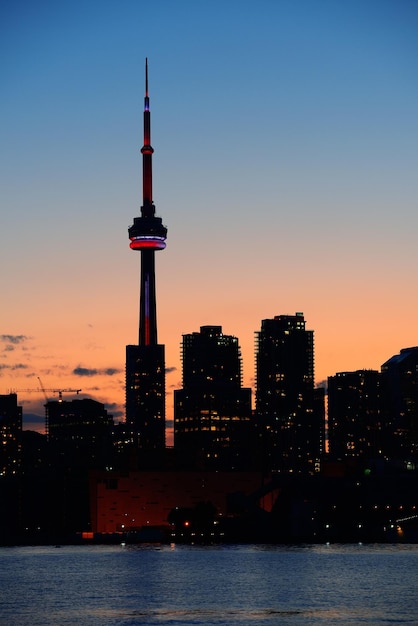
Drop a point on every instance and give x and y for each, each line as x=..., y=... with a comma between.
x=285, y=167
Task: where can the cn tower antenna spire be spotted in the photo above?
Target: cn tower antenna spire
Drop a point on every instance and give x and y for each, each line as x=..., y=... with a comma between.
x=146, y=77
x=148, y=209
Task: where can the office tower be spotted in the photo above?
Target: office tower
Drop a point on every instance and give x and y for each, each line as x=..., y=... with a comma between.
x=212, y=412
x=10, y=435
x=400, y=374
x=79, y=434
x=356, y=422
x=145, y=362
x=288, y=420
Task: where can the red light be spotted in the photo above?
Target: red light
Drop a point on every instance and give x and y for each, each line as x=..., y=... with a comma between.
x=147, y=244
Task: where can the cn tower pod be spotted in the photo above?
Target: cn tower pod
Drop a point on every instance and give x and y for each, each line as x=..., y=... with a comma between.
x=147, y=233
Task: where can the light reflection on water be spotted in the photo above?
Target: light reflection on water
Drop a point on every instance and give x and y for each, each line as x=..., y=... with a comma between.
x=214, y=585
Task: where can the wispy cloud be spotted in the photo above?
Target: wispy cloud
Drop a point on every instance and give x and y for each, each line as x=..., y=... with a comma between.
x=324, y=384
x=87, y=371
x=110, y=371
x=115, y=409
x=15, y=366
x=15, y=339
x=33, y=418
x=11, y=342
x=84, y=371
x=168, y=370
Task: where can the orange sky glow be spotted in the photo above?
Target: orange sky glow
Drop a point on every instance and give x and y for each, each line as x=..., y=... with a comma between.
x=284, y=169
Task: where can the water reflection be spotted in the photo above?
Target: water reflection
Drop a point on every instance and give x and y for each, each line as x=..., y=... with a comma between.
x=212, y=586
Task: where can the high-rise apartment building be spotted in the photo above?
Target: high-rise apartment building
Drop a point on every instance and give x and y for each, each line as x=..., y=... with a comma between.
x=288, y=420
x=356, y=418
x=10, y=435
x=212, y=412
x=145, y=362
x=79, y=433
x=400, y=374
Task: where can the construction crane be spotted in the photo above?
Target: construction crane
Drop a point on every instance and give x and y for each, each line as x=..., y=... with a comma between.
x=58, y=391
x=44, y=391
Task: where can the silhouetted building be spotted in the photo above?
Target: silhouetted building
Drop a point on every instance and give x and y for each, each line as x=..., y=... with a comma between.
x=400, y=374
x=212, y=413
x=356, y=421
x=288, y=416
x=319, y=415
x=10, y=435
x=35, y=452
x=145, y=362
x=140, y=503
x=79, y=434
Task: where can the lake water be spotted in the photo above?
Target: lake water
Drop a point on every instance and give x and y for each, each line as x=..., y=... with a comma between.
x=215, y=585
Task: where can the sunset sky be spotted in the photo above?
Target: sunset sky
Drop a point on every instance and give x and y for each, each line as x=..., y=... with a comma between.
x=285, y=169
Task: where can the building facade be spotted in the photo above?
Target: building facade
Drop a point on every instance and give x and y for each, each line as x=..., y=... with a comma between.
x=79, y=434
x=400, y=375
x=289, y=428
x=357, y=426
x=10, y=435
x=212, y=412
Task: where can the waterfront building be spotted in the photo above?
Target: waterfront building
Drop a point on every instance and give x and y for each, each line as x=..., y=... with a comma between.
x=212, y=412
x=287, y=412
x=145, y=362
x=141, y=501
x=79, y=434
x=356, y=419
x=10, y=435
x=400, y=374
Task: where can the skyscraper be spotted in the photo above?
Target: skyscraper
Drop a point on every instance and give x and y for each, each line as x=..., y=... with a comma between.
x=212, y=413
x=145, y=362
x=289, y=427
x=356, y=422
x=79, y=433
x=400, y=375
x=10, y=435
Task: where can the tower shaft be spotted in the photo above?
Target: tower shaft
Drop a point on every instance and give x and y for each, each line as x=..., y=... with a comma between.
x=148, y=305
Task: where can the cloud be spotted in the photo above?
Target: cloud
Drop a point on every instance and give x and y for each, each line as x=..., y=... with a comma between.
x=323, y=384
x=110, y=371
x=33, y=418
x=31, y=421
x=12, y=341
x=111, y=406
x=86, y=371
x=15, y=339
x=168, y=370
x=16, y=366
x=114, y=410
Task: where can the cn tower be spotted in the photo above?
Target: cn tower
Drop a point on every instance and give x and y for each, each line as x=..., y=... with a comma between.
x=145, y=362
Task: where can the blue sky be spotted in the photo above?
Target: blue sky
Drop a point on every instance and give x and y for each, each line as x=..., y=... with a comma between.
x=285, y=168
